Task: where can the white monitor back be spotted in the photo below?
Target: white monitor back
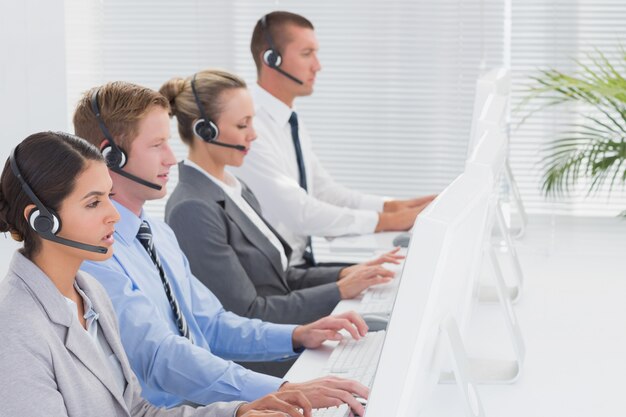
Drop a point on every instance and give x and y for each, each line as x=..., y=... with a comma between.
x=490, y=102
x=499, y=78
x=437, y=282
x=490, y=153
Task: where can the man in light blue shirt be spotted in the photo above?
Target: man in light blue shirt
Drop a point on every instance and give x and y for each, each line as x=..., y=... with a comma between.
x=177, y=335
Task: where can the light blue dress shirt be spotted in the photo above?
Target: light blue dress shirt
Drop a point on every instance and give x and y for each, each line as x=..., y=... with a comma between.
x=170, y=368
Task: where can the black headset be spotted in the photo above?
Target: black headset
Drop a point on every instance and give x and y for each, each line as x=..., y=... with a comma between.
x=204, y=127
x=44, y=220
x=271, y=56
x=115, y=156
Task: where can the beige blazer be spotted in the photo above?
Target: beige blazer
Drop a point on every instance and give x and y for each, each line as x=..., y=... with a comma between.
x=49, y=366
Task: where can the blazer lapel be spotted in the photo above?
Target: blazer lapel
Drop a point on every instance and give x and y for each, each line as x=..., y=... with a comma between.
x=247, y=195
x=212, y=191
x=80, y=344
x=107, y=324
x=254, y=235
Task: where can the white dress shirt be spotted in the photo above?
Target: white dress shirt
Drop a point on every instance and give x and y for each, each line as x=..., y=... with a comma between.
x=232, y=188
x=271, y=171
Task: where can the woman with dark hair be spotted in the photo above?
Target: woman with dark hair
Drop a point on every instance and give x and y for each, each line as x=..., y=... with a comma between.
x=60, y=353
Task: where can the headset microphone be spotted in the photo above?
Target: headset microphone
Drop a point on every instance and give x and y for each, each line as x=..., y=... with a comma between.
x=271, y=56
x=286, y=74
x=114, y=156
x=43, y=220
x=228, y=145
x=204, y=127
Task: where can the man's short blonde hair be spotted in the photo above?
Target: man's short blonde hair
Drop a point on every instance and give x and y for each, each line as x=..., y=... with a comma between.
x=122, y=106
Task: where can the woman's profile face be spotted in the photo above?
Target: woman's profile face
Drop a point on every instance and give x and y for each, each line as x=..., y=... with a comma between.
x=235, y=125
x=87, y=213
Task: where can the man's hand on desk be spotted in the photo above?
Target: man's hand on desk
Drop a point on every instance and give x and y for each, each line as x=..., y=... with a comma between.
x=398, y=220
x=392, y=206
x=312, y=335
x=361, y=277
x=400, y=215
x=278, y=404
x=331, y=391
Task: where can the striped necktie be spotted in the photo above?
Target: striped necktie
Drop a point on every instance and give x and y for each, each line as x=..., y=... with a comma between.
x=145, y=237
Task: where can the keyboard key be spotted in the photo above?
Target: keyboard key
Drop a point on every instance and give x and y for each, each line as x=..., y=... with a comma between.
x=342, y=411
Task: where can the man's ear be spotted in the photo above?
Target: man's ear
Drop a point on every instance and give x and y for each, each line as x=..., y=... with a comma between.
x=104, y=143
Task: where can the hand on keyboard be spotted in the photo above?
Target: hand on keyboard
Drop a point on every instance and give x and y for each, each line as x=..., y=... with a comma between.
x=278, y=404
x=362, y=278
x=331, y=391
x=390, y=257
x=356, y=360
x=312, y=335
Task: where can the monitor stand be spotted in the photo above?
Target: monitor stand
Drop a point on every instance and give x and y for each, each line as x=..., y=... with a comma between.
x=462, y=372
x=496, y=371
x=517, y=198
x=489, y=294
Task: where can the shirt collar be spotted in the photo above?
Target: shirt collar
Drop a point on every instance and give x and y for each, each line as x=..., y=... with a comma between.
x=231, y=185
x=276, y=109
x=90, y=315
x=128, y=226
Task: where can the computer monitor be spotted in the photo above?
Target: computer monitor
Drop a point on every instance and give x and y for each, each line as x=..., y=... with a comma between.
x=433, y=297
x=490, y=155
x=490, y=151
x=490, y=102
x=489, y=158
x=490, y=112
x=497, y=81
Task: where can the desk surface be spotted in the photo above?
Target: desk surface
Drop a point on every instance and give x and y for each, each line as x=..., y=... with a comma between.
x=573, y=316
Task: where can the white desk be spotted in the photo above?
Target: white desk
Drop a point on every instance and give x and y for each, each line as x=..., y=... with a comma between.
x=573, y=318
x=352, y=248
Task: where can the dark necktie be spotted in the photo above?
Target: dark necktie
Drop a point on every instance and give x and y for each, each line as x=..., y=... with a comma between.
x=145, y=237
x=295, y=135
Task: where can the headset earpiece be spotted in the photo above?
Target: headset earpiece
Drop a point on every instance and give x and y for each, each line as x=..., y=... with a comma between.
x=208, y=132
x=272, y=58
x=203, y=127
x=114, y=157
x=42, y=223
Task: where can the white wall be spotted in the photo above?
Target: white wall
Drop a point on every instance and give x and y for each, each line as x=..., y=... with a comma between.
x=33, y=91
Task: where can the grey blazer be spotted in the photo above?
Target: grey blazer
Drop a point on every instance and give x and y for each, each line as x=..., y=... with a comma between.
x=49, y=365
x=233, y=258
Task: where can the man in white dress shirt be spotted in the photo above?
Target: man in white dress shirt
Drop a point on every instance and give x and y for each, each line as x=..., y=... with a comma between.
x=296, y=193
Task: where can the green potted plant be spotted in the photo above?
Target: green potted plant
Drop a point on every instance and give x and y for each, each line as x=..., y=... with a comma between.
x=595, y=148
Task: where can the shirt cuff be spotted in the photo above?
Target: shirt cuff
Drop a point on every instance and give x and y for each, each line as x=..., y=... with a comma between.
x=238, y=407
x=280, y=336
x=372, y=202
x=368, y=221
x=259, y=385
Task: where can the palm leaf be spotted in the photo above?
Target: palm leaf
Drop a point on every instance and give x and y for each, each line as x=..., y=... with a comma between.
x=596, y=148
